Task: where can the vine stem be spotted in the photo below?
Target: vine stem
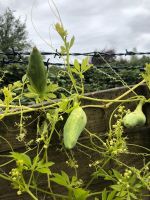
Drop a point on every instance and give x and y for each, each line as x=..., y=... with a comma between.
x=46, y=192
x=31, y=194
x=92, y=179
x=111, y=101
x=94, y=193
x=108, y=100
x=126, y=93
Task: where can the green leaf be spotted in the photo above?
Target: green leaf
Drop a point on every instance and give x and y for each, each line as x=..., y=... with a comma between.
x=71, y=42
x=104, y=194
x=80, y=194
x=84, y=64
x=21, y=156
x=44, y=127
x=133, y=179
x=50, y=96
x=43, y=170
x=146, y=75
x=66, y=177
x=122, y=194
x=31, y=89
x=31, y=95
x=111, y=195
x=52, y=88
x=63, y=105
x=42, y=164
x=81, y=75
x=116, y=187
x=62, y=179
x=35, y=160
x=73, y=180
x=59, y=180
x=17, y=85
x=24, y=78
x=138, y=185
x=117, y=174
x=63, y=49
x=133, y=196
x=74, y=70
x=77, y=65
x=48, y=164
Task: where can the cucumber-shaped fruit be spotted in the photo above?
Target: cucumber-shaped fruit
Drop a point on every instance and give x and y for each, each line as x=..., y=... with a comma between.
x=74, y=125
x=135, y=118
x=37, y=72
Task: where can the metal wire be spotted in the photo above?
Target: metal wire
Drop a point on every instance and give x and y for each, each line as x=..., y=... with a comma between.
x=18, y=57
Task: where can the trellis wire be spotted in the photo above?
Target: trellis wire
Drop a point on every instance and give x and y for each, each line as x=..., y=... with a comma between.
x=18, y=55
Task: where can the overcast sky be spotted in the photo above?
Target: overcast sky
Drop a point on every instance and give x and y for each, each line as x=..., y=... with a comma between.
x=96, y=24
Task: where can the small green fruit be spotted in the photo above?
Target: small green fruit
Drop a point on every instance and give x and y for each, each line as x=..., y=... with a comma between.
x=74, y=125
x=36, y=72
x=135, y=118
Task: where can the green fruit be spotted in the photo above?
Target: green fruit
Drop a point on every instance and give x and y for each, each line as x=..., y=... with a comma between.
x=135, y=118
x=37, y=72
x=74, y=125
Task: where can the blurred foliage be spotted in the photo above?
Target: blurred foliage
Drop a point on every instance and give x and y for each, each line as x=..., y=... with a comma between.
x=11, y=73
x=13, y=33
x=13, y=37
x=99, y=77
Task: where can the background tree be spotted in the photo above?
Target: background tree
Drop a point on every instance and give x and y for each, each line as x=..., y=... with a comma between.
x=13, y=32
x=107, y=55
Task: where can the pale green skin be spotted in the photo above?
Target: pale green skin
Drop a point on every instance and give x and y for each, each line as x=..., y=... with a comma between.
x=36, y=72
x=74, y=126
x=135, y=119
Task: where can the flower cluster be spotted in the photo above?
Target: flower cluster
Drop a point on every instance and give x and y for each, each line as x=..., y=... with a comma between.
x=116, y=143
x=16, y=178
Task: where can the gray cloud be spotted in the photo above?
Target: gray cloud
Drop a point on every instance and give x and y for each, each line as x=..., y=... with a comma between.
x=96, y=24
